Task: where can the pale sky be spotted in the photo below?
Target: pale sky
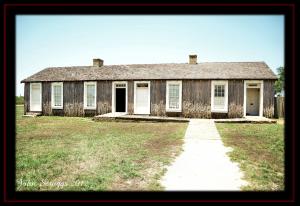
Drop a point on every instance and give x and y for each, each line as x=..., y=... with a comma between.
x=74, y=40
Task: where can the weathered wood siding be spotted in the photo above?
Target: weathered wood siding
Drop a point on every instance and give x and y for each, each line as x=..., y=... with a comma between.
x=26, y=97
x=46, y=98
x=196, y=91
x=130, y=103
x=196, y=98
x=193, y=92
x=73, y=98
x=235, y=98
x=268, y=103
x=236, y=92
x=104, y=97
x=158, y=97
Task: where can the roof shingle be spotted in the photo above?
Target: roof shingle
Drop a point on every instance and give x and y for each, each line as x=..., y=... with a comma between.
x=206, y=70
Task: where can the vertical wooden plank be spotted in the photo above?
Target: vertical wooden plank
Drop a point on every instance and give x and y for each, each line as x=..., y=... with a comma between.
x=130, y=97
x=196, y=91
x=66, y=92
x=101, y=95
x=157, y=96
x=235, y=98
x=108, y=94
x=104, y=89
x=26, y=97
x=79, y=89
x=46, y=98
x=46, y=92
x=79, y=92
x=72, y=99
x=268, y=93
x=236, y=92
x=205, y=91
x=268, y=98
x=67, y=108
x=196, y=98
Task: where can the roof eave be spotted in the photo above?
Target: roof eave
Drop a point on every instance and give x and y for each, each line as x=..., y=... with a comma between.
x=117, y=79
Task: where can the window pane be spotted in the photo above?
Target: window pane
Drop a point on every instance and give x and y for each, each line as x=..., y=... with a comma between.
x=219, y=102
x=219, y=98
x=142, y=85
x=219, y=90
x=90, y=92
x=173, y=96
x=57, y=95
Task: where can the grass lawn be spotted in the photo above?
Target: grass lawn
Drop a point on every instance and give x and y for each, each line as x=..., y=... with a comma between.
x=78, y=154
x=259, y=148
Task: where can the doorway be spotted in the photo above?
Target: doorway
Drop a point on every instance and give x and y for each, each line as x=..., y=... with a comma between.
x=35, y=97
x=252, y=106
x=142, y=97
x=120, y=99
x=253, y=97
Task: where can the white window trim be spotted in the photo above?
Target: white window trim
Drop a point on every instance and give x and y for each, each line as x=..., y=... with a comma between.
x=52, y=95
x=135, y=86
x=167, y=96
x=113, y=96
x=40, y=97
x=261, y=94
x=85, y=95
x=218, y=82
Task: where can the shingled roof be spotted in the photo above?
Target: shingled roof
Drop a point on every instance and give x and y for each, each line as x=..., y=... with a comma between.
x=206, y=70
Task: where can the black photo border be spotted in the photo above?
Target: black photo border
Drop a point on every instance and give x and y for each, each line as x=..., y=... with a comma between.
x=10, y=10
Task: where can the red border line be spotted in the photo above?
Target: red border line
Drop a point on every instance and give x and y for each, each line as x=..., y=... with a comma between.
x=148, y=4
x=293, y=102
x=150, y=200
x=4, y=102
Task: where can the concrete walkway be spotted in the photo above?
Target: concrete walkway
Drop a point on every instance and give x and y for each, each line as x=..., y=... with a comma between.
x=126, y=117
x=204, y=164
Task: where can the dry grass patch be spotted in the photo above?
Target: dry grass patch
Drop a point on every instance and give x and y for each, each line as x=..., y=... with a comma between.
x=77, y=154
x=269, y=112
x=158, y=109
x=74, y=109
x=196, y=110
x=103, y=108
x=259, y=148
x=47, y=109
x=130, y=109
x=235, y=111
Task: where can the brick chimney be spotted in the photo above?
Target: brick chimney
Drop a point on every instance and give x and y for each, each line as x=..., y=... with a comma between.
x=193, y=59
x=97, y=62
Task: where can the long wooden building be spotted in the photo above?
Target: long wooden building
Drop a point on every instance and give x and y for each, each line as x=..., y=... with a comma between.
x=196, y=90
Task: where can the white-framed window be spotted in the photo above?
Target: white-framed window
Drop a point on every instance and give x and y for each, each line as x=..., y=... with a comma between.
x=90, y=95
x=219, y=96
x=57, y=95
x=174, y=95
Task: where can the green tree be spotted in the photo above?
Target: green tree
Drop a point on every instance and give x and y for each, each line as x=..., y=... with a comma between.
x=279, y=84
x=19, y=99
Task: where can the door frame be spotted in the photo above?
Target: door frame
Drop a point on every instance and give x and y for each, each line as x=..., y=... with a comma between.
x=134, y=104
x=30, y=106
x=114, y=95
x=261, y=94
